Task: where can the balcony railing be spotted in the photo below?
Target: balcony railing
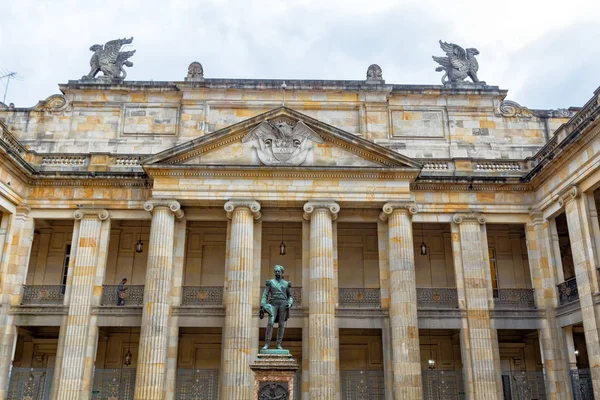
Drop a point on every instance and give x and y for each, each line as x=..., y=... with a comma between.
x=360, y=297
x=363, y=385
x=437, y=298
x=30, y=383
x=203, y=296
x=43, y=294
x=133, y=296
x=443, y=385
x=523, y=385
x=510, y=299
x=117, y=383
x=296, y=295
x=195, y=384
x=567, y=291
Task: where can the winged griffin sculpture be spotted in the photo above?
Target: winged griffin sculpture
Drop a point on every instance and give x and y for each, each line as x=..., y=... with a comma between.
x=281, y=142
x=458, y=65
x=109, y=60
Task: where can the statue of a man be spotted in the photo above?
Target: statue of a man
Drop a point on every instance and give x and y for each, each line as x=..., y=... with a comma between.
x=276, y=301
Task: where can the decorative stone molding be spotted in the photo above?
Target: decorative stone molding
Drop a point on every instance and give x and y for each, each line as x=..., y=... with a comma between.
x=22, y=211
x=195, y=72
x=252, y=205
x=537, y=217
x=570, y=194
x=374, y=74
x=57, y=103
x=101, y=214
x=468, y=217
x=509, y=108
x=172, y=205
x=388, y=208
x=311, y=206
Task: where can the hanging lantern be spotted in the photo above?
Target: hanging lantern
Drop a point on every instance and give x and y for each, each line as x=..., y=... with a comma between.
x=282, y=249
x=431, y=362
x=423, y=249
x=128, y=357
x=139, y=247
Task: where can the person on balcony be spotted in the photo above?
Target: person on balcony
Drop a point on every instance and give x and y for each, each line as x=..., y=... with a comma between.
x=121, y=293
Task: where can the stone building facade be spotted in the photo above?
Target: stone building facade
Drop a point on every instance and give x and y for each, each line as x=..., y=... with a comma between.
x=442, y=242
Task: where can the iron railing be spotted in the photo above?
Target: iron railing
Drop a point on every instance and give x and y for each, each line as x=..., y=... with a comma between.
x=30, y=383
x=437, y=298
x=523, y=385
x=360, y=297
x=363, y=385
x=567, y=291
x=442, y=385
x=133, y=296
x=581, y=383
x=296, y=295
x=202, y=296
x=43, y=294
x=193, y=384
x=510, y=299
x=111, y=384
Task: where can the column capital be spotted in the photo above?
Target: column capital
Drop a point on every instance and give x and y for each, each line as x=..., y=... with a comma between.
x=569, y=194
x=459, y=218
x=172, y=205
x=99, y=213
x=403, y=206
x=311, y=206
x=252, y=205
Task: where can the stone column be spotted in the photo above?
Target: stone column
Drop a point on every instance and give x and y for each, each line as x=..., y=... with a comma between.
x=404, y=326
x=81, y=330
x=13, y=271
x=154, y=334
x=479, y=342
x=323, y=345
x=583, y=251
x=179, y=247
x=542, y=267
x=237, y=380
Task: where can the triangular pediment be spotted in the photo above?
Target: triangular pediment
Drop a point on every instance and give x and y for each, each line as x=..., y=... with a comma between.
x=282, y=138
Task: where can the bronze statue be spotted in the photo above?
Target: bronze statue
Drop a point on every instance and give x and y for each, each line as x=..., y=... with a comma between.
x=276, y=301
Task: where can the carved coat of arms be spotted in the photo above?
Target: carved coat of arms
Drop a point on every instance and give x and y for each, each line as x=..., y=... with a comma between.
x=282, y=142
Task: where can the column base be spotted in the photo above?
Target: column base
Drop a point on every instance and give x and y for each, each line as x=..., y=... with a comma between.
x=274, y=375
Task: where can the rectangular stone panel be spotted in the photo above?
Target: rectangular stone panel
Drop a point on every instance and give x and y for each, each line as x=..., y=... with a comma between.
x=150, y=120
x=418, y=123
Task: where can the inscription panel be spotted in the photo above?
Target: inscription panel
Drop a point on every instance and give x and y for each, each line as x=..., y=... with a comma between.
x=418, y=123
x=150, y=120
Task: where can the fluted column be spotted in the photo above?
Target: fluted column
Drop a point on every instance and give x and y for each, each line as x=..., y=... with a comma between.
x=539, y=250
x=154, y=334
x=322, y=337
x=584, y=259
x=16, y=249
x=237, y=380
x=81, y=329
x=404, y=326
x=479, y=342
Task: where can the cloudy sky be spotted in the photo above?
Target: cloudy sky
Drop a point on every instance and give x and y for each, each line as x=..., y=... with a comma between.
x=546, y=53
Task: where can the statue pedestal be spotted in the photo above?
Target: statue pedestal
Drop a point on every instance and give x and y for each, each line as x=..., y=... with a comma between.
x=274, y=375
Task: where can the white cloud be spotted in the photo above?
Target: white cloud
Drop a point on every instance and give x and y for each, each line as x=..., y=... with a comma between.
x=542, y=51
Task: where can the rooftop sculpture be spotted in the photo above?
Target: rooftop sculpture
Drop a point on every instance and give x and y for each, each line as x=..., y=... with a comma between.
x=458, y=65
x=109, y=60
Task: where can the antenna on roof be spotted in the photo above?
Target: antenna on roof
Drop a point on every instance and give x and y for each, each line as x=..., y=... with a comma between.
x=4, y=74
